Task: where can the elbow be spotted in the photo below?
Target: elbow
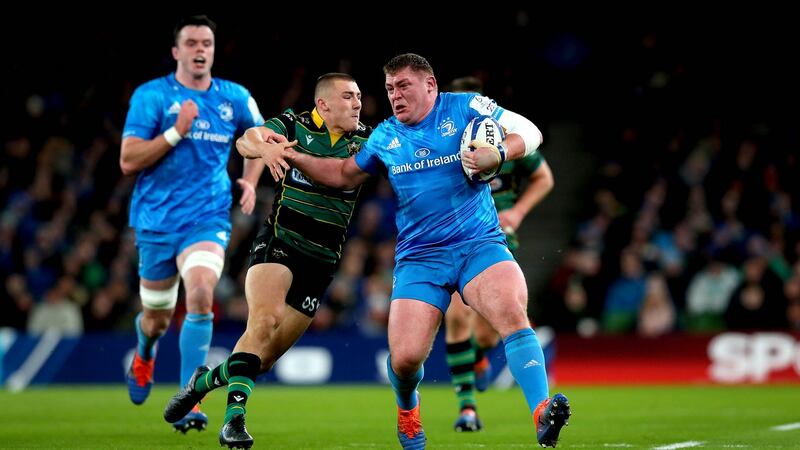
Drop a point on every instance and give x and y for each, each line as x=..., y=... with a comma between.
x=127, y=167
x=347, y=186
x=549, y=183
x=548, y=180
x=240, y=143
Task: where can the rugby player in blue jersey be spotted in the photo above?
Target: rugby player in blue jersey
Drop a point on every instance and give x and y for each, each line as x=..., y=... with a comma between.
x=177, y=138
x=449, y=237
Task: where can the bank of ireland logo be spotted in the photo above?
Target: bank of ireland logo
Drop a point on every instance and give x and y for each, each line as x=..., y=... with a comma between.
x=225, y=111
x=447, y=127
x=422, y=153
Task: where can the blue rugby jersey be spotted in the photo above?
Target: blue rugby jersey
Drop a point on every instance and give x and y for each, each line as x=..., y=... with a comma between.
x=437, y=205
x=190, y=181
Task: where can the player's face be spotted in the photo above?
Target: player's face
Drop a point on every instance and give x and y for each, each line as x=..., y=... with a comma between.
x=344, y=103
x=195, y=51
x=411, y=94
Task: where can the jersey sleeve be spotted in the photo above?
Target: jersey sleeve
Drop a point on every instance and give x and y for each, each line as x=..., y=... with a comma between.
x=251, y=116
x=283, y=124
x=367, y=159
x=531, y=163
x=476, y=105
x=143, y=120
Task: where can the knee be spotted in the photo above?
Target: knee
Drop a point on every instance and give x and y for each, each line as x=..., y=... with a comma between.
x=199, y=299
x=261, y=327
x=405, y=365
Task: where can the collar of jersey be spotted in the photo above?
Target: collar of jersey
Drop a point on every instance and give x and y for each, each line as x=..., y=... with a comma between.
x=320, y=122
x=174, y=80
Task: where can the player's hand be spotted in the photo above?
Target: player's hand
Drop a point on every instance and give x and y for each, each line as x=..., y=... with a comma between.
x=186, y=116
x=248, y=198
x=274, y=157
x=510, y=220
x=271, y=136
x=484, y=158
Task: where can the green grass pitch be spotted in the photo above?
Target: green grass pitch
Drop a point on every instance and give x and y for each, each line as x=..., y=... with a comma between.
x=363, y=417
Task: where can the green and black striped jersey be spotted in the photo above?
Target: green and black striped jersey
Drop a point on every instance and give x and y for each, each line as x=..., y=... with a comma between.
x=310, y=217
x=506, y=186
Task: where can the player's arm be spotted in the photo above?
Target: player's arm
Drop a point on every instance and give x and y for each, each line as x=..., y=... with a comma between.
x=332, y=172
x=265, y=144
x=522, y=139
x=540, y=183
x=247, y=183
x=138, y=154
x=522, y=136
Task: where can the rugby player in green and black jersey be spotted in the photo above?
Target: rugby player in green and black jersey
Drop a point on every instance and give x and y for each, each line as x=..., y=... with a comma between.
x=293, y=259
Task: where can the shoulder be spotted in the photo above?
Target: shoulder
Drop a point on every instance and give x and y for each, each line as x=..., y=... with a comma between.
x=155, y=86
x=231, y=89
x=456, y=98
x=287, y=116
x=387, y=125
x=303, y=118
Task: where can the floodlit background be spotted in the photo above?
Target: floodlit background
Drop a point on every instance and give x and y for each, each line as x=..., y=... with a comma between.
x=668, y=252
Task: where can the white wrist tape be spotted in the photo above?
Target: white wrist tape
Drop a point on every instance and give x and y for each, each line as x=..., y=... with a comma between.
x=172, y=136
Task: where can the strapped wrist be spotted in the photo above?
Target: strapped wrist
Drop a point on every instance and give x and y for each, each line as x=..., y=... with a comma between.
x=172, y=136
x=501, y=150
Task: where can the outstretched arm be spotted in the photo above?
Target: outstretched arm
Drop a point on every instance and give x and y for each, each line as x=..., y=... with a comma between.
x=261, y=142
x=540, y=183
x=332, y=172
x=138, y=154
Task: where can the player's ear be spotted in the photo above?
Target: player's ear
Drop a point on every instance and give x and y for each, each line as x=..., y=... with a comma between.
x=430, y=82
x=175, y=53
x=321, y=104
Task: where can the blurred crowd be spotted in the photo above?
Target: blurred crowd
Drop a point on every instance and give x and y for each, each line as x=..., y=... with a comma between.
x=697, y=232
x=694, y=220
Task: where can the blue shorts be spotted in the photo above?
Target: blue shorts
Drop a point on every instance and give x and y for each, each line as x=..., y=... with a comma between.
x=432, y=276
x=158, y=251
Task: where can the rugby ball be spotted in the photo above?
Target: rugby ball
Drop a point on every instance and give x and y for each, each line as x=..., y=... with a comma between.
x=486, y=130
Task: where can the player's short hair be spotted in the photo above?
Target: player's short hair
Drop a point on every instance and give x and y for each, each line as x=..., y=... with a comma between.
x=411, y=60
x=466, y=84
x=198, y=21
x=326, y=80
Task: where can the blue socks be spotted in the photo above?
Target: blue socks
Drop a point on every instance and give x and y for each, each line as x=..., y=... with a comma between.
x=526, y=362
x=145, y=345
x=194, y=342
x=405, y=390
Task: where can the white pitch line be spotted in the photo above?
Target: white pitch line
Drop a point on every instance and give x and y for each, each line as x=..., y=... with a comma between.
x=687, y=444
x=786, y=427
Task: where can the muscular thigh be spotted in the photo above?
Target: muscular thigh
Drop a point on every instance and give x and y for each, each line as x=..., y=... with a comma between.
x=500, y=295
